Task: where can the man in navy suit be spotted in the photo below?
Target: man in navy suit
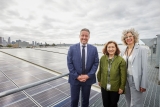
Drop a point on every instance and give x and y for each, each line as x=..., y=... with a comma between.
x=82, y=72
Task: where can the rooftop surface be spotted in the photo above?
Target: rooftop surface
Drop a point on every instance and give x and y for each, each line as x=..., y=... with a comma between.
x=20, y=67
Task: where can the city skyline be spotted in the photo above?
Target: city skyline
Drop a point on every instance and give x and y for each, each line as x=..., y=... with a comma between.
x=8, y=41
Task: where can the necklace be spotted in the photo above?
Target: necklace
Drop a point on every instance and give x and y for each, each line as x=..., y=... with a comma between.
x=127, y=56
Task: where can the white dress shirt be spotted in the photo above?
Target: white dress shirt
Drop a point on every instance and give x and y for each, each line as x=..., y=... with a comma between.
x=129, y=70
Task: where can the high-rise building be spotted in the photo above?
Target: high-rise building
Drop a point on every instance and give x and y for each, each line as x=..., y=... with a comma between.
x=9, y=40
x=33, y=43
x=5, y=43
x=1, y=41
x=13, y=42
x=18, y=40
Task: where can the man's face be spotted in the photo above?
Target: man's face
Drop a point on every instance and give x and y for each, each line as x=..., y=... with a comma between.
x=84, y=37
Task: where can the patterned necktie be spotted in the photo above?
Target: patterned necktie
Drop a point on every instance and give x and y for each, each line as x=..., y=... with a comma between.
x=83, y=60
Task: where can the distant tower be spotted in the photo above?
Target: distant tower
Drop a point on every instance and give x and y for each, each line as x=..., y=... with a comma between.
x=33, y=43
x=9, y=40
x=1, y=41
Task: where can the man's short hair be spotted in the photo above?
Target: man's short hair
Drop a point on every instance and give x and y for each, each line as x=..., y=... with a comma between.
x=85, y=29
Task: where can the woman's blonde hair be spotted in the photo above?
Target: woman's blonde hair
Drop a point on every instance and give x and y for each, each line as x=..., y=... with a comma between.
x=133, y=32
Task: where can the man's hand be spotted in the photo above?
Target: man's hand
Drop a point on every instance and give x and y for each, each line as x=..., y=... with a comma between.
x=83, y=78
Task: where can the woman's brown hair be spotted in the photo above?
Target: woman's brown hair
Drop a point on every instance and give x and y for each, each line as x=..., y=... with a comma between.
x=106, y=45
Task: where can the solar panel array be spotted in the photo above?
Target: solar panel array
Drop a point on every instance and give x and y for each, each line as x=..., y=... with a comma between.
x=15, y=72
x=50, y=60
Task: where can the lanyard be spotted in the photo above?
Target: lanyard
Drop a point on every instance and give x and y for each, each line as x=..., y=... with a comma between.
x=127, y=56
x=109, y=68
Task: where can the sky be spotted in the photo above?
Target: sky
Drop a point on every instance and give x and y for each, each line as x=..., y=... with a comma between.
x=60, y=21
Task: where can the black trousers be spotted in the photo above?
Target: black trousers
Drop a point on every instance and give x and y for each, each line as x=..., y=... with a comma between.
x=110, y=98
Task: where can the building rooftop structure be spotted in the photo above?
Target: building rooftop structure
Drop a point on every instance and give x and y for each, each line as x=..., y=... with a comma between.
x=20, y=67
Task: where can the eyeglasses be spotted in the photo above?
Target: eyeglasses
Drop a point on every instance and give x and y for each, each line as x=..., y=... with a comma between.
x=128, y=37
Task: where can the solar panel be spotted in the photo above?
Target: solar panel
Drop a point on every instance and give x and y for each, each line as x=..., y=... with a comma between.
x=3, y=79
x=8, y=68
x=18, y=75
x=52, y=100
x=13, y=71
x=4, y=86
x=64, y=87
x=1, y=74
x=96, y=97
x=11, y=98
x=23, y=103
x=46, y=95
x=64, y=103
x=25, y=80
x=38, y=89
x=23, y=65
x=93, y=93
x=55, y=59
x=57, y=82
x=44, y=75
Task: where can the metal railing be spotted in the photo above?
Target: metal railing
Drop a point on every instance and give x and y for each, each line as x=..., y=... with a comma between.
x=30, y=85
x=22, y=88
x=159, y=74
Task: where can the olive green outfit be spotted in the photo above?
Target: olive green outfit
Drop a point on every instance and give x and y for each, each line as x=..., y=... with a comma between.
x=118, y=73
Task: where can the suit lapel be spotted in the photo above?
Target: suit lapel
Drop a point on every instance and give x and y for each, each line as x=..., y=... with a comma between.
x=88, y=53
x=135, y=51
x=78, y=52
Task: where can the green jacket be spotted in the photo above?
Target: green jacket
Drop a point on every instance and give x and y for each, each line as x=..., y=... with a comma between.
x=118, y=73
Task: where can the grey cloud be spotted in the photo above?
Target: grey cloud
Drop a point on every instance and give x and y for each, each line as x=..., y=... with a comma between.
x=47, y=19
x=46, y=26
x=13, y=13
x=63, y=6
x=5, y=4
x=8, y=15
x=29, y=18
x=16, y=29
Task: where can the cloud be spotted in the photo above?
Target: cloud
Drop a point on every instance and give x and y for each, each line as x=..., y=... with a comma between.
x=60, y=21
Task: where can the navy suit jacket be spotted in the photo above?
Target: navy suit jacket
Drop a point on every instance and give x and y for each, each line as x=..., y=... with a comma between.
x=74, y=63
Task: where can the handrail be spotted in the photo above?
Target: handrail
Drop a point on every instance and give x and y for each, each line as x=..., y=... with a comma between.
x=30, y=85
x=159, y=73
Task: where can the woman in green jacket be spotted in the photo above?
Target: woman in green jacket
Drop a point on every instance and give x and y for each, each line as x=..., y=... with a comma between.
x=111, y=74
